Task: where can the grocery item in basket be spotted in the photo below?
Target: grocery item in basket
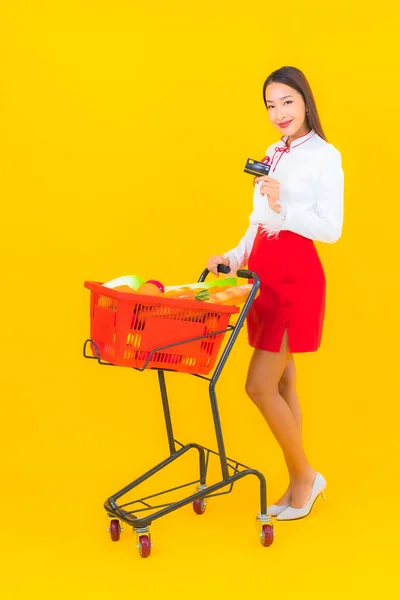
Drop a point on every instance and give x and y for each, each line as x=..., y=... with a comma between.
x=124, y=288
x=150, y=289
x=232, y=296
x=223, y=282
x=132, y=281
x=187, y=293
x=157, y=283
x=218, y=288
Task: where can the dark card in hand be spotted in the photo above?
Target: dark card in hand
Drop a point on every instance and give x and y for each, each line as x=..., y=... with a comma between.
x=257, y=168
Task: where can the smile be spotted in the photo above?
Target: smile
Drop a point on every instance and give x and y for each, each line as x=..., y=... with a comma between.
x=285, y=124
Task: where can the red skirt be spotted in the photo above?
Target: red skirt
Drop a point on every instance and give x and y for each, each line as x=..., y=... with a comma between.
x=292, y=293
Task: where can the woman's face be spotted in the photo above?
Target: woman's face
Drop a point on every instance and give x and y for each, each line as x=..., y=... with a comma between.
x=285, y=104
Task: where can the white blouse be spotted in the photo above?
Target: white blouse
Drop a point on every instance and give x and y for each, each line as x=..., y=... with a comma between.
x=311, y=195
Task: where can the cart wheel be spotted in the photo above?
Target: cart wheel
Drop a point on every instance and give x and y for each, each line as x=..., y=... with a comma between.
x=267, y=535
x=144, y=546
x=115, y=530
x=199, y=506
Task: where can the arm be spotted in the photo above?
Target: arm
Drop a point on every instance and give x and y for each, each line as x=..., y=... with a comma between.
x=239, y=256
x=325, y=222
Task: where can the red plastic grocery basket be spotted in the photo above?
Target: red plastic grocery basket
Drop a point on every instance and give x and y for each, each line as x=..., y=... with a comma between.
x=126, y=328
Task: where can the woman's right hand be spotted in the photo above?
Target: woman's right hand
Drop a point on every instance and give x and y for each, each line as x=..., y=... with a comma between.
x=214, y=261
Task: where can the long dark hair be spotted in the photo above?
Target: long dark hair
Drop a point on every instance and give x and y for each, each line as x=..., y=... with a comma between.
x=296, y=79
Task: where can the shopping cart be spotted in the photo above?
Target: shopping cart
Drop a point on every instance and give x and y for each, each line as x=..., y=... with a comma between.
x=167, y=334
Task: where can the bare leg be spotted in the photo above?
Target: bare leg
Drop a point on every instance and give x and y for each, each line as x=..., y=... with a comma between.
x=287, y=389
x=265, y=372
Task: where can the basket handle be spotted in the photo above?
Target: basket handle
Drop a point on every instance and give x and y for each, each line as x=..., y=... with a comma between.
x=244, y=273
x=223, y=268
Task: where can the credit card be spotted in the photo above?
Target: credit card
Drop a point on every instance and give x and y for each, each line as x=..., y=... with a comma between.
x=255, y=167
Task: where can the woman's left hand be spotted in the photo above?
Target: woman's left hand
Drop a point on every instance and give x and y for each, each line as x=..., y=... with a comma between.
x=270, y=187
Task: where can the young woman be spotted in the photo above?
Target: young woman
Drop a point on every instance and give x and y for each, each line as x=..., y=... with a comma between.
x=301, y=200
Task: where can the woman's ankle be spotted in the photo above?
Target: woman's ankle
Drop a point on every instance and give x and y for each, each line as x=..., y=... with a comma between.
x=306, y=476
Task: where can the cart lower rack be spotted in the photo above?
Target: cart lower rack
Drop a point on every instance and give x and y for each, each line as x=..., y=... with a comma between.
x=166, y=334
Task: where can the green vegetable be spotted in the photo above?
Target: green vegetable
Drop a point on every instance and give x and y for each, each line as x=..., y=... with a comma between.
x=203, y=295
x=222, y=281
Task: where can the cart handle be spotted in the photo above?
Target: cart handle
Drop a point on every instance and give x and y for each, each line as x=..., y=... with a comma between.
x=244, y=273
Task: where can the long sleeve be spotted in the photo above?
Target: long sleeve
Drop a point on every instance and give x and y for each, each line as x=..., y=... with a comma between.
x=324, y=221
x=239, y=256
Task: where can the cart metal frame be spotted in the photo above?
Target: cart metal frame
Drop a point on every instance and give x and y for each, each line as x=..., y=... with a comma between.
x=127, y=512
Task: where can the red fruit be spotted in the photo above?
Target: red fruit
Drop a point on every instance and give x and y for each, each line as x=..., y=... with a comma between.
x=157, y=283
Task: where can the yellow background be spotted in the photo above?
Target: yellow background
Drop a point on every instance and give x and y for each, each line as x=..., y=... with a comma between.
x=124, y=130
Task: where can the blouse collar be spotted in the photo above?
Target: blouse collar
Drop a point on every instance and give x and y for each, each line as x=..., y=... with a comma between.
x=300, y=140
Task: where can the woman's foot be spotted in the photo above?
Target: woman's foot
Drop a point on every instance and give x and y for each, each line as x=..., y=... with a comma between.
x=275, y=509
x=318, y=488
x=301, y=490
x=286, y=498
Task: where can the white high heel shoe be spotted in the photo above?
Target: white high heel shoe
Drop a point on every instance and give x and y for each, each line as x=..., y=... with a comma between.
x=290, y=514
x=274, y=510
